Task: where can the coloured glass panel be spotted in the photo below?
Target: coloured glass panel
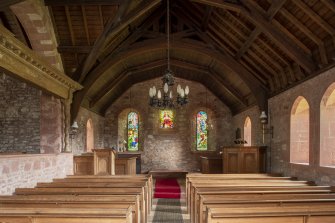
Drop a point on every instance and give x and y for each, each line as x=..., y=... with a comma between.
x=166, y=119
x=132, y=131
x=202, y=130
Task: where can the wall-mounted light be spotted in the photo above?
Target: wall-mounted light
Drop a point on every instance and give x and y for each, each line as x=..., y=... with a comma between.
x=264, y=120
x=74, y=129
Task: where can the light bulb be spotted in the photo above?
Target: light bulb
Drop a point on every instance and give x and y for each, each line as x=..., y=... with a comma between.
x=150, y=93
x=170, y=94
x=178, y=89
x=166, y=88
x=154, y=91
x=182, y=93
x=159, y=94
x=187, y=90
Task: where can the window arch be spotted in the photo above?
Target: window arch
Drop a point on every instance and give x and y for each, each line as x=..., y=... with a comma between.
x=327, y=127
x=247, y=131
x=299, y=134
x=132, y=128
x=202, y=130
x=89, y=136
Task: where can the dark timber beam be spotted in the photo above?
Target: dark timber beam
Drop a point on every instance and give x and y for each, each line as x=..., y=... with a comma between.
x=330, y=4
x=112, y=28
x=277, y=37
x=82, y=2
x=205, y=21
x=231, y=64
x=161, y=63
x=144, y=47
x=74, y=49
x=274, y=8
x=4, y=4
x=221, y=4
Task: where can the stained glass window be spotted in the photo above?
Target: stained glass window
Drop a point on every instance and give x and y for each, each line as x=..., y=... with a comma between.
x=202, y=130
x=166, y=119
x=132, y=131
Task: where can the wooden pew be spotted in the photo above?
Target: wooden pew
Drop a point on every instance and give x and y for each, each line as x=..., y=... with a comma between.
x=308, y=213
x=126, y=184
x=114, y=179
x=216, y=201
x=68, y=201
x=235, y=183
x=206, y=177
x=65, y=215
x=88, y=191
x=242, y=191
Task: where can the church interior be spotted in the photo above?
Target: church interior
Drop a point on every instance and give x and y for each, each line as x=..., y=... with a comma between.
x=167, y=111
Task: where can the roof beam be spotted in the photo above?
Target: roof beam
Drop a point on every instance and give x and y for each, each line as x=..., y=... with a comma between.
x=289, y=48
x=74, y=49
x=81, y=2
x=255, y=16
x=274, y=8
x=69, y=23
x=112, y=28
x=207, y=16
x=221, y=4
x=330, y=4
x=4, y=4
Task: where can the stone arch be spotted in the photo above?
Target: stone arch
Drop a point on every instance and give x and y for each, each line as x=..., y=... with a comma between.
x=35, y=19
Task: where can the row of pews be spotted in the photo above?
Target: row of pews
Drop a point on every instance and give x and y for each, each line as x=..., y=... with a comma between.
x=253, y=198
x=81, y=199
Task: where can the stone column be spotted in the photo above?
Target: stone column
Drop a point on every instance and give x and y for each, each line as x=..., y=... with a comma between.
x=67, y=122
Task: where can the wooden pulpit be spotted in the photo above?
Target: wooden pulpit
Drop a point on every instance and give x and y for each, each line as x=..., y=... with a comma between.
x=104, y=161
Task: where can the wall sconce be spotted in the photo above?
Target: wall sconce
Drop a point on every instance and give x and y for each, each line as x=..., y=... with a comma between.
x=74, y=129
x=264, y=120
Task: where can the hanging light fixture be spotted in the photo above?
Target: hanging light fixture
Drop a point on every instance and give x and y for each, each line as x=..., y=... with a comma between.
x=159, y=99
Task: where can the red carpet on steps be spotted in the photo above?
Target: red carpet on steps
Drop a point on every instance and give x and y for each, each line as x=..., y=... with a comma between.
x=167, y=188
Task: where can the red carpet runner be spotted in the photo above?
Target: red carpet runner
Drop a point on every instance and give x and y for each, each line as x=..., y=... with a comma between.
x=167, y=188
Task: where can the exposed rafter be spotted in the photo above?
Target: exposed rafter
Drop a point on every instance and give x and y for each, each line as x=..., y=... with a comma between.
x=113, y=27
x=81, y=2
x=275, y=7
x=266, y=27
x=4, y=4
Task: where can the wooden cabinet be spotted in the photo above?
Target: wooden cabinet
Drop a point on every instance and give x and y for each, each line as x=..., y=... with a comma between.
x=211, y=164
x=125, y=166
x=137, y=155
x=83, y=164
x=249, y=159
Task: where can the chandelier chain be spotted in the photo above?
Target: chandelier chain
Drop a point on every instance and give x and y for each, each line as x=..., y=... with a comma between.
x=168, y=33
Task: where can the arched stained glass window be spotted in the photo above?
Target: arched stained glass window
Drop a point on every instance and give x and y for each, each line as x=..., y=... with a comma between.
x=202, y=131
x=132, y=131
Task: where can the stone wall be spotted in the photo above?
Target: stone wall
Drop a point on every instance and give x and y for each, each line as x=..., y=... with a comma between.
x=169, y=149
x=256, y=128
x=52, y=128
x=280, y=110
x=22, y=171
x=20, y=111
x=78, y=141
